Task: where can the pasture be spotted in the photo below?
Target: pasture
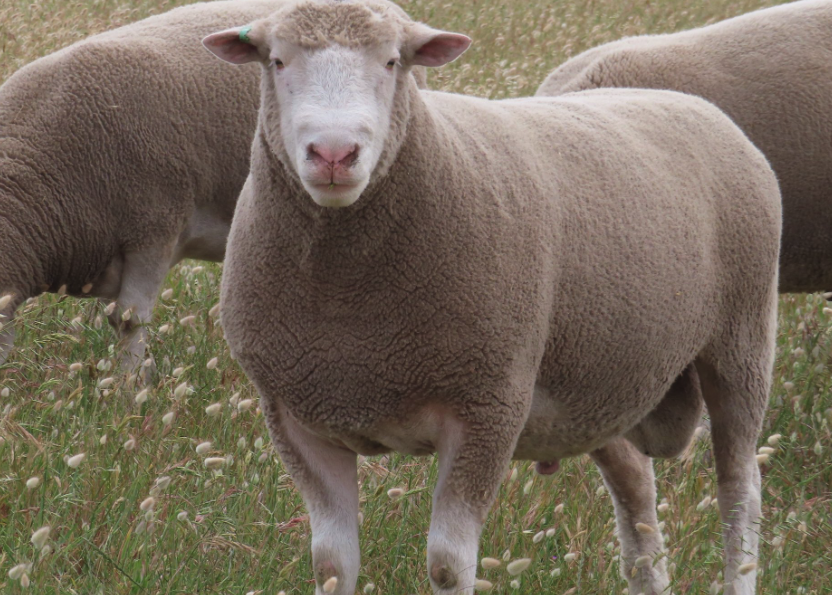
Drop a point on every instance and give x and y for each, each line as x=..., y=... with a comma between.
x=181, y=493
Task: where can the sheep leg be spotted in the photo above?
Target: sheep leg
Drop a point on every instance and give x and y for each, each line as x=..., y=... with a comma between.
x=142, y=277
x=735, y=425
x=471, y=466
x=629, y=477
x=327, y=478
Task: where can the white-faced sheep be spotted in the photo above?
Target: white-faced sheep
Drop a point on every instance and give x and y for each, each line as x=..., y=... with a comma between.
x=119, y=156
x=458, y=301
x=771, y=72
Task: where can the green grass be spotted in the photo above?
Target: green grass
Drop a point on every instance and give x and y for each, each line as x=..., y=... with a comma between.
x=246, y=528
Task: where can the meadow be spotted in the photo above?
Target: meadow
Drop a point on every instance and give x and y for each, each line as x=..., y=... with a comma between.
x=181, y=492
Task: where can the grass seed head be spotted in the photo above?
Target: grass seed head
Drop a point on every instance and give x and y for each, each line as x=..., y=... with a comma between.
x=181, y=390
x=40, y=537
x=369, y=588
x=245, y=404
x=395, y=493
x=518, y=566
x=76, y=367
x=746, y=568
x=32, y=483
x=570, y=557
x=187, y=320
x=106, y=382
x=141, y=398
x=483, y=585
x=167, y=294
x=538, y=537
x=167, y=418
x=645, y=529
x=147, y=504
x=75, y=461
x=774, y=439
x=515, y=584
x=203, y=447
x=642, y=561
x=182, y=516
x=130, y=444
x=489, y=563
x=24, y=581
x=17, y=571
x=5, y=300
x=212, y=363
x=214, y=462
x=213, y=410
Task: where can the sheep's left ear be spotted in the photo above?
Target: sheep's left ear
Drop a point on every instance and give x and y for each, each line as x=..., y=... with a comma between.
x=232, y=45
x=431, y=47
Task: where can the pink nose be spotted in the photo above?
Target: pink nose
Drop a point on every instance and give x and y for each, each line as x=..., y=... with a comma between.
x=344, y=156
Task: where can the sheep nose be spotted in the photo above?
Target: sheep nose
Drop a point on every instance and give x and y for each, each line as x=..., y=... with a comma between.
x=333, y=156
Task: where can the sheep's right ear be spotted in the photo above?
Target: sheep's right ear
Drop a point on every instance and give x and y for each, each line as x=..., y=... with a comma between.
x=232, y=45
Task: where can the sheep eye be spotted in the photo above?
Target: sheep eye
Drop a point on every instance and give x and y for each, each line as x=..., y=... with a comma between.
x=391, y=64
x=278, y=64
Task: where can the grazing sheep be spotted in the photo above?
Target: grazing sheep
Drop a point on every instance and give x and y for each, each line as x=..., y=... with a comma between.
x=459, y=300
x=119, y=156
x=771, y=72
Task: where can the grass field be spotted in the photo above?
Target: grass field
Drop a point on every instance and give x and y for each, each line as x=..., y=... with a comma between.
x=241, y=528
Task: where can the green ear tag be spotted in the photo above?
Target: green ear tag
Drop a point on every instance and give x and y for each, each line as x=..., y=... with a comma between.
x=244, y=34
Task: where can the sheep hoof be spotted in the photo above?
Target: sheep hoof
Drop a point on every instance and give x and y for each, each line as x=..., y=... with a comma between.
x=443, y=577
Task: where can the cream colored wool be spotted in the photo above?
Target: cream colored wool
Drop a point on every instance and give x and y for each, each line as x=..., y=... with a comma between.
x=771, y=72
x=523, y=278
x=121, y=155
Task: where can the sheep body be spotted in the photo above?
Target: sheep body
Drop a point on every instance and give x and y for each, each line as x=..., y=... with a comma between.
x=771, y=72
x=536, y=301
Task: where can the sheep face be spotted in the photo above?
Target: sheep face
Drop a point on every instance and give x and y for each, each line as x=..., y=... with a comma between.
x=332, y=71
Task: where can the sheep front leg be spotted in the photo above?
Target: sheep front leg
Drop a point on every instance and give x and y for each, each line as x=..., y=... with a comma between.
x=629, y=477
x=472, y=463
x=327, y=478
x=142, y=277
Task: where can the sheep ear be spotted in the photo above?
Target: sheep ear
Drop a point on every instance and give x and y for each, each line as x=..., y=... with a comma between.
x=431, y=47
x=232, y=45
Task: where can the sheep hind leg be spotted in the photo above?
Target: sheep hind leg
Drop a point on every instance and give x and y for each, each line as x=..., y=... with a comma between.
x=142, y=276
x=327, y=478
x=629, y=477
x=736, y=401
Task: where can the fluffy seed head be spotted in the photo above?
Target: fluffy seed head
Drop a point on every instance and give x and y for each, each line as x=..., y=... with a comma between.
x=203, y=447
x=5, y=300
x=167, y=294
x=644, y=529
x=180, y=390
x=489, y=563
x=106, y=382
x=746, y=568
x=147, y=504
x=394, y=493
x=245, y=404
x=40, y=537
x=215, y=309
x=559, y=508
x=5, y=392
x=570, y=557
x=187, y=320
x=550, y=532
x=213, y=409
x=369, y=588
x=214, y=462
x=17, y=571
x=111, y=307
x=182, y=516
x=762, y=459
x=212, y=363
x=331, y=584
x=76, y=367
x=515, y=584
x=130, y=444
x=538, y=537
x=483, y=585
x=774, y=439
x=75, y=461
x=163, y=482
x=141, y=397
x=164, y=329
x=32, y=483
x=518, y=566
x=642, y=561
x=167, y=418
x=663, y=507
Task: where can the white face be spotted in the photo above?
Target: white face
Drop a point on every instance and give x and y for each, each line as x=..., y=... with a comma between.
x=335, y=105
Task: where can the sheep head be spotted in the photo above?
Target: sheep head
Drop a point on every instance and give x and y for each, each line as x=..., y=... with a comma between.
x=334, y=77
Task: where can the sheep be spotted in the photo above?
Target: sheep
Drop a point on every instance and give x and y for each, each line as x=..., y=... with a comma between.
x=771, y=72
x=119, y=156
x=427, y=273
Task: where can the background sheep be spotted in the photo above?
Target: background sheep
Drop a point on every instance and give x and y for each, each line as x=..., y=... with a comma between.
x=771, y=72
x=452, y=304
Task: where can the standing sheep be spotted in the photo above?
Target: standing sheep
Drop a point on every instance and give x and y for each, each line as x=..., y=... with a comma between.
x=114, y=163
x=119, y=156
x=771, y=72
x=453, y=303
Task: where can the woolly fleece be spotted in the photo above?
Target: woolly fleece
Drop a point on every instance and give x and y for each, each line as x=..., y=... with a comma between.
x=771, y=72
